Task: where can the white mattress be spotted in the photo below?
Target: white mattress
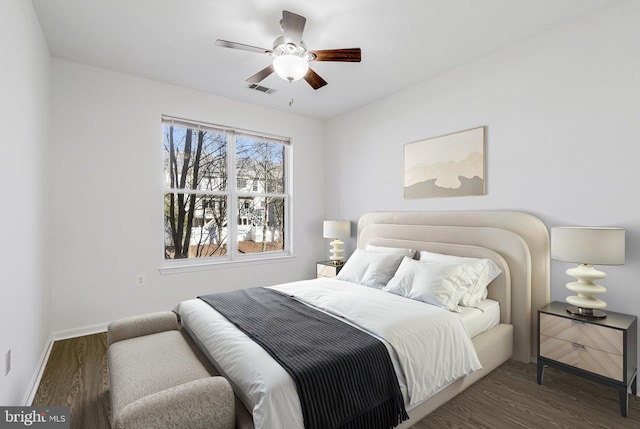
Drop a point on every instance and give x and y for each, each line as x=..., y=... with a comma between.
x=480, y=318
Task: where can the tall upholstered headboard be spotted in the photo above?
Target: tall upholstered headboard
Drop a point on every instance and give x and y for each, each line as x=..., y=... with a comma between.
x=518, y=242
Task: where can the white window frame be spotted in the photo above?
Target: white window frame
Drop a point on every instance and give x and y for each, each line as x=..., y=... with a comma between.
x=233, y=258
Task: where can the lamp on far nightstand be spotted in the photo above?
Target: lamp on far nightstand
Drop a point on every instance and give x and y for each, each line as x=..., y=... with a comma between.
x=587, y=246
x=337, y=229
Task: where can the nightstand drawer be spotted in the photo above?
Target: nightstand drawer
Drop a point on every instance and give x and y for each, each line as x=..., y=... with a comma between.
x=597, y=337
x=327, y=269
x=583, y=357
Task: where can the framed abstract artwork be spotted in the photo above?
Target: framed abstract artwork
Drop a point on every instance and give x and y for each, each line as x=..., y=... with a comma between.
x=445, y=166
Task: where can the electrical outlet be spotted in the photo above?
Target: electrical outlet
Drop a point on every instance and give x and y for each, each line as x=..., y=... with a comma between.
x=141, y=280
x=7, y=362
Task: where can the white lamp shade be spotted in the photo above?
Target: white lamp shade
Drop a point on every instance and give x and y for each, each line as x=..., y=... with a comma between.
x=290, y=67
x=336, y=229
x=588, y=245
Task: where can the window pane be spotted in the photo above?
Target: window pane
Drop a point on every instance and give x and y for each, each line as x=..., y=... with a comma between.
x=203, y=210
x=260, y=224
x=259, y=166
x=195, y=226
x=194, y=158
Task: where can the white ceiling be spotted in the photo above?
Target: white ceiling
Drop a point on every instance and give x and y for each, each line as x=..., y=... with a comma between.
x=403, y=42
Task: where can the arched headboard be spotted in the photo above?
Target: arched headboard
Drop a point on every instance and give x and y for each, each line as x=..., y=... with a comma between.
x=518, y=242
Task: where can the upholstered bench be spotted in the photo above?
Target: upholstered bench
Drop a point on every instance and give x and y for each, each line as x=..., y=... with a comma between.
x=159, y=379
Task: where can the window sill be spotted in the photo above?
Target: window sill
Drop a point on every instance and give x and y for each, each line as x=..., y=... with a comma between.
x=193, y=266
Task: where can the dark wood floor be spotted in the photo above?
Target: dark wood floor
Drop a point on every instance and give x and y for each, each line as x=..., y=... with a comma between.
x=510, y=397
x=76, y=375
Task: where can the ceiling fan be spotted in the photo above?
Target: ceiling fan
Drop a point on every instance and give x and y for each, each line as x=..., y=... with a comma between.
x=290, y=55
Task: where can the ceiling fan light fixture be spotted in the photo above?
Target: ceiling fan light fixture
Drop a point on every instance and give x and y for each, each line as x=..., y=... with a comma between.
x=290, y=67
x=290, y=55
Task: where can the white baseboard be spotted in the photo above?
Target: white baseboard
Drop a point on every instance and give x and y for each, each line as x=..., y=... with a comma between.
x=44, y=358
x=37, y=376
x=79, y=332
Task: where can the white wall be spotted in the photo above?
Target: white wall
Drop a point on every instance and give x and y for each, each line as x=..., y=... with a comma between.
x=563, y=118
x=25, y=297
x=107, y=184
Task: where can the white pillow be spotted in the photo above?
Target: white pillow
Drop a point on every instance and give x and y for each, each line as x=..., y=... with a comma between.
x=436, y=284
x=480, y=272
x=395, y=250
x=371, y=269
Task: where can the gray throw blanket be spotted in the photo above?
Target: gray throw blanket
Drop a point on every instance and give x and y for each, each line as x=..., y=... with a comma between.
x=344, y=376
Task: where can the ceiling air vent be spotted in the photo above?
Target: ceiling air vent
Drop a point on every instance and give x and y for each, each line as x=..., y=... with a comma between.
x=261, y=88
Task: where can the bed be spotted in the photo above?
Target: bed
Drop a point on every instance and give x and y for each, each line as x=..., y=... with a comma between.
x=517, y=243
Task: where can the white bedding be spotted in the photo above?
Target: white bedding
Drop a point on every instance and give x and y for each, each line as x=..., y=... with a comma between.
x=429, y=346
x=482, y=317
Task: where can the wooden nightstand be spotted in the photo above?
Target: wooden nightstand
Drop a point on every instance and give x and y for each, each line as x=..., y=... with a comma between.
x=602, y=350
x=328, y=269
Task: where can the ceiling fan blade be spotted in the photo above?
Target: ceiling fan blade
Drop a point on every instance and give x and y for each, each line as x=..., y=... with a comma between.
x=314, y=79
x=346, y=55
x=234, y=45
x=292, y=26
x=261, y=75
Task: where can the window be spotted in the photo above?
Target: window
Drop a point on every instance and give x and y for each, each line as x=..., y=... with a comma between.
x=226, y=193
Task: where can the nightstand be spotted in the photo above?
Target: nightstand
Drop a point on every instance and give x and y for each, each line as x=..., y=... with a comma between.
x=602, y=350
x=328, y=269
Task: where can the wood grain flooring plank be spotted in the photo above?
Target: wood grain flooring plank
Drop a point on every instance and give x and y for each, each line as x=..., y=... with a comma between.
x=509, y=397
x=77, y=375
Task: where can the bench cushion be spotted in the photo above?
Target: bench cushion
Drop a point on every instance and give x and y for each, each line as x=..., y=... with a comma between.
x=207, y=403
x=144, y=365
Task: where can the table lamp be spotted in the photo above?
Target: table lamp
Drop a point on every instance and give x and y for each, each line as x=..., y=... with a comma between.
x=337, y=229
x=587, y=246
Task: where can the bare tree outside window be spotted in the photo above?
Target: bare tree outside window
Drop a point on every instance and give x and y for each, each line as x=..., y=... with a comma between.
x=207, y=202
